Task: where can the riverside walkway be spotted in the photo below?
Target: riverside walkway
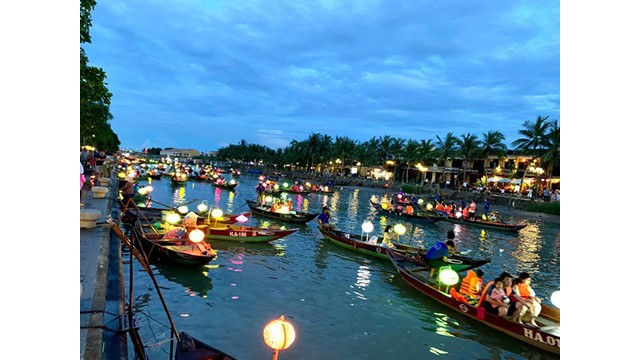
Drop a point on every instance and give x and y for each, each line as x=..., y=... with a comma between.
x=102, y=287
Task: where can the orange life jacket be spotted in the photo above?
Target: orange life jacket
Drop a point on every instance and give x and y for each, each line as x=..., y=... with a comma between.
x=484, y=292
x=440, y=207
x=469, y=284
x=465, y=213
x=409, y=210
x=457, y=296
x=524, y=290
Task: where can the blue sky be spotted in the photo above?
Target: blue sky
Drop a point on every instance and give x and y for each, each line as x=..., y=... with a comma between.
x=205, y=74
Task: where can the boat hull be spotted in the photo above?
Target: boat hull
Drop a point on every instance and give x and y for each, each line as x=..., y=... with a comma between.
x=425, y=219
x=299, y=217
x=246, y=234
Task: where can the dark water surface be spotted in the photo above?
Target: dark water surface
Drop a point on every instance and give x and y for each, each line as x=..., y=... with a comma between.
x=343, y=305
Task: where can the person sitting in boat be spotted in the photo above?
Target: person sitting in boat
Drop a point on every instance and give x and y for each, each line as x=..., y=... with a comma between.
x=388, y=236
x=472, y=210
x=436, y=257
x=465, y=213
x=323, y=218
x=408, y=210
x=493, y=217
x=497, y=302
x=532, y=303
x=439, y=206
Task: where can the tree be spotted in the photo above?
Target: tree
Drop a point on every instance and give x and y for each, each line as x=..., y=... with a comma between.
x=492, y=144
x=95, y=97
x=468, y=148
x=446, y=148
x=550, y=157
x=408, y=154
x=532, y=139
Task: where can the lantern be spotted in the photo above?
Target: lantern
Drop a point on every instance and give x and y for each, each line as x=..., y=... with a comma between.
x=285, y=184
x=367, y=226
x=555, y=298
x=385, y=206
x=276, y=186
x=400, y=229
x=232, y=182
x=216, y=213
x=173, y=218
x=448, y=276
x=429, y=206
x=269, y=199
x=202, y=207
x=279, y=335
x=421, y=201
x=196, y=235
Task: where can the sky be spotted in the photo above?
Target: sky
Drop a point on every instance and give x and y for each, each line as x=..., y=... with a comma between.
x=205, y=74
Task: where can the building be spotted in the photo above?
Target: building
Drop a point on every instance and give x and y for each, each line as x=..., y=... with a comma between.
x=179, y=153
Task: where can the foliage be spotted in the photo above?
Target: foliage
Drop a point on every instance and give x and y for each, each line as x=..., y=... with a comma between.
x=552, y=208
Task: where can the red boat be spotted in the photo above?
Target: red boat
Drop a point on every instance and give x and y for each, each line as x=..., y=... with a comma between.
x=246, y=233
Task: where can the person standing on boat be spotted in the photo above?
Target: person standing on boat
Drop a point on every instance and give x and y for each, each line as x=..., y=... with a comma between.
x=323, y=218
x=487, y=206
x=472, y=210
x=436, y=257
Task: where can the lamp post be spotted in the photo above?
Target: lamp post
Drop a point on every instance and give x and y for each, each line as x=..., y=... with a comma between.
x=279, y=335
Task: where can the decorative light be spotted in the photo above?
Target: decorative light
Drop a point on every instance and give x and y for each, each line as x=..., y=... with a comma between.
x=367, y=226
x=232, y=182
x=429, y=206
x=326, y=188
x=242, y=218
x=149, y=188
x=285, y=184
x=183, y=209
x=400, y=229
x=276, y=186
x=261, y=178
x=173, y=218
x=385, y=206
x=307, y=184
x=458, y=214
x=142, y=191
x=269, y=199
x=202, y=207
x=448, y=276
x=421, y=201
x=555, y=299
x=196, y=235
x=279, y=335
x=216, y=213
x=399, y=196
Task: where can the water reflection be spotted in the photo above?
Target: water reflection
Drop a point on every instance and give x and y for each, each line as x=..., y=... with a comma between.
x=363, y=279
x=192, y=280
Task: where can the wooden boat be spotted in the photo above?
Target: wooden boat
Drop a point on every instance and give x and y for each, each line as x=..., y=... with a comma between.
x=155, y=176
x=246, y=233
x=153, y=215
x=304, y=192
x=226, y=186
x=546, y=337
x=495, y=225
x=178, y=250
x=357, y=243
x=190, y=348
x=297, y=217
x=417, y=216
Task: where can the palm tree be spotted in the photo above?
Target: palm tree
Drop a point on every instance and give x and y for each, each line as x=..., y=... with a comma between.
x=446, y=148
x=551, y=144
x=344, y=148
x=408, y=154
x=428, y=154
x=533, y=134
x=468, y=148
x=492, y=144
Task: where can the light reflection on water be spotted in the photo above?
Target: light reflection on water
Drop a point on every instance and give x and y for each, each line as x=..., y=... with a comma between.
x=343, y=304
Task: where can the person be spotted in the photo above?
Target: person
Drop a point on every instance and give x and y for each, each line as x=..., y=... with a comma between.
x=100, y=159
x=323, y=218
x=531, y=302
x=128, y=190
x=498, y=302
x=463, y=204
x=439, y=207
x=472, y=210
x=546, y=195
x=409, y=209
x=437, y=254
x=487, y=206
x=388, y=236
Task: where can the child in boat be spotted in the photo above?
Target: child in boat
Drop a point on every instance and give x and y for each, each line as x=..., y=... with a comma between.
x=389, y=235
x=497, y=302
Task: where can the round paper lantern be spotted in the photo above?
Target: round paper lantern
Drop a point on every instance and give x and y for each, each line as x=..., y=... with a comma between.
x=555, y=298
x=279, y=334
x=242, y=218
x=196, y=235
x=400, y=229
x=429, y=207
x=367, y=226
x=173, y=218
x=183, y=209
x=449, y=277
x=216, y=213
x=202, y=207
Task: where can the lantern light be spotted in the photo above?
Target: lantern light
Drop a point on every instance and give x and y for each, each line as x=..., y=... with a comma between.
x=399, y=196
x=232, y=182
x=429, y=206
x=285, y=184
x=242, y=218
x=196, y=235
x=367, y=226
x=279, y=335
x=448, y=276
x=202, y=207
x=149, y=188
x=269, y=199
x=276, y=186
x=385, y=206
x=458, y=214
x=173, y=218
x=555, y=299
x=308, y=184
x=400, y=229
x=183, y=209
x=142, y=191
x=421, y=201
x=216, y=213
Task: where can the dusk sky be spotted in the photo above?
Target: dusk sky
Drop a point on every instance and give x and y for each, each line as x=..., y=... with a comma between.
x=205, y=74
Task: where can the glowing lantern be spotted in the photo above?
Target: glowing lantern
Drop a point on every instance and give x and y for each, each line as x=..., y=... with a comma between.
x=173, y=218
x=261, y=178
x=385, y=206
x=458, y=214
x=286, y=185
x=367, y=226
x=142, y=191
x=555, y=298
x=149, y=188
x=121, y=175
x=421, y=201
x=269, y=199
x=232, y=182
x=429, y=207
x=216, y=213
x=399, y=196
x=242, y=218
x=202, y=207
x=484, y=217
x=183, y=209
x=400, y=229
x=276, y=186
x=326, y=188
x=448, y=276
x=196, y=235
x=307, y=184
x=279, y=335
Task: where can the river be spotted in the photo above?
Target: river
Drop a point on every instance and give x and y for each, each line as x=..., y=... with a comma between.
x=343, y=305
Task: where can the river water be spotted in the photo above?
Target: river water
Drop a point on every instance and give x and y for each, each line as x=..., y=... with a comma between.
x=343, y=305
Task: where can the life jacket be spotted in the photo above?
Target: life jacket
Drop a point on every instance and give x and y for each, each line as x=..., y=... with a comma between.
x=465, y=213
x=484, y=292
x=409, y=210
x=469, y=284
x=524, y=290
x=440, y=207
x=456, y=295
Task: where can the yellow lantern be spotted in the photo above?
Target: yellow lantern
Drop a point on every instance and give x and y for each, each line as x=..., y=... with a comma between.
x=385, y=206
x=555, y=298
x=285, y=184
x=216, y=213
x=232, y=182
x=269, y=199
x=400, y=229
x=430, y=207
x=279, y=335
x=173, y=218
x=196, y=235
x=276, y=186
